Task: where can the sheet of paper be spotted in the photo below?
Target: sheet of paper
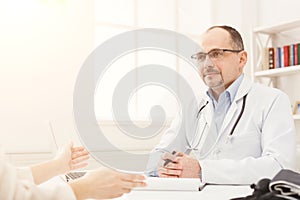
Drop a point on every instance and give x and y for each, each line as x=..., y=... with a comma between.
x=178, y=184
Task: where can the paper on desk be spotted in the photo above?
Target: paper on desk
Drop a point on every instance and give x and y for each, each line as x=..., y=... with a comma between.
x=178, y=184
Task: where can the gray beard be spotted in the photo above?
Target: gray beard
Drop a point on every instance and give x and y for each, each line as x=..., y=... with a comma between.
x=215, y=83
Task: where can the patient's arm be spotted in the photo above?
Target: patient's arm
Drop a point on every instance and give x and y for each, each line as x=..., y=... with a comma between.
x=68, y=158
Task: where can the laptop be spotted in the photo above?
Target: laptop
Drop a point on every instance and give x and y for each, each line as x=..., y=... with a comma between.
x=74, y=175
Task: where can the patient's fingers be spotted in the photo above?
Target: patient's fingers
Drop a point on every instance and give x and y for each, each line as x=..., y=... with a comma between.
x=133, y=177
x=130, y=184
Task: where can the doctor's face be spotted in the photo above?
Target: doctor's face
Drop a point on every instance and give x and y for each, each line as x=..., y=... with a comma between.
x=220, y=64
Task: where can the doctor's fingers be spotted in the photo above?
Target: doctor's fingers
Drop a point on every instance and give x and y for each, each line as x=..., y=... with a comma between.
x=162, y=174
x=167, y=176
x=169, y=172
x=182, y=158
x=172, y=165
x=180, y=154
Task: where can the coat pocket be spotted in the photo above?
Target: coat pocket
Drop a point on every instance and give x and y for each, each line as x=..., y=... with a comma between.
x=241, y=146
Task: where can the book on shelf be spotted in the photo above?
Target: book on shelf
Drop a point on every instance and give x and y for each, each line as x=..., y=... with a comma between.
x=278, y=57
x=295, y=46
x=291, y=62
x=271, y=57
x=265, y=59
x=297, y=54
x=286, y=55
x=281, y=57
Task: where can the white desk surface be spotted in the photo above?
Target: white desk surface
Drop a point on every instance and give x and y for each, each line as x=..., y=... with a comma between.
x=208, y=193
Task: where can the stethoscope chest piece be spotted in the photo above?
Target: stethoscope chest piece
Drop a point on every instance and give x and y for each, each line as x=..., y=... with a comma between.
x=229, y=139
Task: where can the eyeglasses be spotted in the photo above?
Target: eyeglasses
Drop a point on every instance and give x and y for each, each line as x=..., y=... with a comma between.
x=214, y=54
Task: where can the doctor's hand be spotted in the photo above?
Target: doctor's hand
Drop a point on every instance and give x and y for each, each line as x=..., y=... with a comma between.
x=105, y=183
x=190, y=166
x=169, y=167
x=71, y=158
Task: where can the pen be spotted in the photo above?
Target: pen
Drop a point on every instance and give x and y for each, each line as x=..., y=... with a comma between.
x=167, y=161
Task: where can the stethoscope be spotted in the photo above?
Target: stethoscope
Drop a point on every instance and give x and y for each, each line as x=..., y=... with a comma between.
x=195, y=146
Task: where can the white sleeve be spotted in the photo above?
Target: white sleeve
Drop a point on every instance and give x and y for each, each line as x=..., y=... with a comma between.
x=169, y=142
x=25, y=173
x=15, y=185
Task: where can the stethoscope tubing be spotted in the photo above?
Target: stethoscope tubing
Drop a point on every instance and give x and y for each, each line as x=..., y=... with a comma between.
x=235, y=124
x=240, y=115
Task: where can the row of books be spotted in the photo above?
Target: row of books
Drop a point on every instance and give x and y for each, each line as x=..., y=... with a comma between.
x=278, y=57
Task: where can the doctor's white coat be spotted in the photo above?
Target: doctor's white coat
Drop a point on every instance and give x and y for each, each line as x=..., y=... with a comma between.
x=262, y=143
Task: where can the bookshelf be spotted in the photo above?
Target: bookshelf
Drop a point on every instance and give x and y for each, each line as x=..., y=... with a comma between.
x=271, y=73
x=273, y=36
x=284, y=77
x=278, y=28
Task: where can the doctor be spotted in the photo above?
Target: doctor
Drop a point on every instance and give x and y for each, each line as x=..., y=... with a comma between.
x=240, y=133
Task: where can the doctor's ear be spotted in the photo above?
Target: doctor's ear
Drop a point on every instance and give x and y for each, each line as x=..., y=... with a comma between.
x=243, y=58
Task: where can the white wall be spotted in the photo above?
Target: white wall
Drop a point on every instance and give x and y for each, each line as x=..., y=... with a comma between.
x=116, y=16
x=277, y=11
x=42, y=46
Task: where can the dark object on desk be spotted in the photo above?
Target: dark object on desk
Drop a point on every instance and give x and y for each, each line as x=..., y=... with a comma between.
x=261, y=192
x=285, y=185
x=73, y=175
x=167, y=161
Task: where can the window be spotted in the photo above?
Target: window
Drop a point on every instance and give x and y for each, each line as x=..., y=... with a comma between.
x=117, y=16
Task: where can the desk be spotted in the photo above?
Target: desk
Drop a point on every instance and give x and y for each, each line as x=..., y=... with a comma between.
x=212, y=192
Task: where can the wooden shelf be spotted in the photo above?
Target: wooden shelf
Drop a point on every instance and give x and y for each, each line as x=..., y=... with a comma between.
x=278, y=28
x=278, y=72
x=296, y=117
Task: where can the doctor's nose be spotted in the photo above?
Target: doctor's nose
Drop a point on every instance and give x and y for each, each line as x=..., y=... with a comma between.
x=207, y=63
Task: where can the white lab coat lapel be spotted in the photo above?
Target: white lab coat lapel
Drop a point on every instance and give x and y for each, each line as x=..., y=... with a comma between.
x=234, y=108
x=208, y=112
x=229, y=116
x=207, y=130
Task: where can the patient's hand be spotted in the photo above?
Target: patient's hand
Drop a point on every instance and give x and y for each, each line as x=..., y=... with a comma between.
x=68, y=158
x=72, y=158
x=105, y=183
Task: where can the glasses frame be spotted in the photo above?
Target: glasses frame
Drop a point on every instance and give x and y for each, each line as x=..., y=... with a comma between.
x=194, y=56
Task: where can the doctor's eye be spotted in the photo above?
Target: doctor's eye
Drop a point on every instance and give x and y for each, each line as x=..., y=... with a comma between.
x=200, y=57
x=216, y=54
